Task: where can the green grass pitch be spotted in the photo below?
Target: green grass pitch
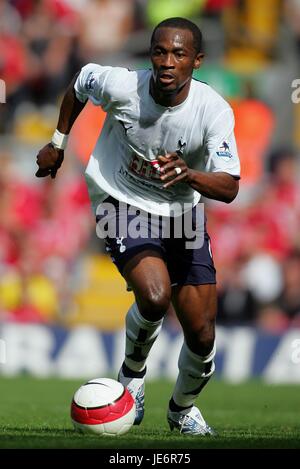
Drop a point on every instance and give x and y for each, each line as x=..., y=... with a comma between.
x=35, y=414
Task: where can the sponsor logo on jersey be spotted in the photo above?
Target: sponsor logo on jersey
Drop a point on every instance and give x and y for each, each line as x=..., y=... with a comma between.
x=224, y=150
x=143, y=168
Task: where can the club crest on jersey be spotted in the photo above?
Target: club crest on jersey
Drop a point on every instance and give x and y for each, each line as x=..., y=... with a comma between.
x=224, y=150
x=180, y=146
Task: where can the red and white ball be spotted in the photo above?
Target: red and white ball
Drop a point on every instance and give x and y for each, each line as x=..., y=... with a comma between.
x=103, y=406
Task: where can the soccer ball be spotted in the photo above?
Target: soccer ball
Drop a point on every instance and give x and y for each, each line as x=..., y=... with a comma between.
x=103, y=406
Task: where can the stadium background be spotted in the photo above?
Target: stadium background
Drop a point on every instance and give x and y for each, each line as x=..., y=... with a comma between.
x=62, y=302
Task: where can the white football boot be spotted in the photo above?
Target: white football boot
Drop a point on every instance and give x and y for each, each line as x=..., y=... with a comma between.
x=135, y=383
x=189, y=422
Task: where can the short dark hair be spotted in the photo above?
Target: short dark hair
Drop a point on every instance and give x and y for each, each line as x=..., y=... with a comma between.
x=181, y=23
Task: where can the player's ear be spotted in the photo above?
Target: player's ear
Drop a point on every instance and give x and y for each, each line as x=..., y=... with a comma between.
x=198, y=60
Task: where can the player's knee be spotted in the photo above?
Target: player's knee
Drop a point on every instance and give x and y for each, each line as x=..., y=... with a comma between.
x=206, y=344
x=202, y=338
x=154, y=304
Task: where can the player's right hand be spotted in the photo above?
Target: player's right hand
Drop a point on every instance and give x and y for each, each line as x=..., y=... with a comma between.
x=49, y=160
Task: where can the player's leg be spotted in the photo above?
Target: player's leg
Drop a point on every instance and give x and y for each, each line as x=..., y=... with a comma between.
x=195, y=306
x=147, y=275
x=140, y=261
x=139, y=258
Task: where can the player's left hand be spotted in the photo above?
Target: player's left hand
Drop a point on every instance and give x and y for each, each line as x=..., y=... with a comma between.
x=173, y=169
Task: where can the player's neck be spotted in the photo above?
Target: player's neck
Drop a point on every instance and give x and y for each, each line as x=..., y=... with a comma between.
x=169, y=99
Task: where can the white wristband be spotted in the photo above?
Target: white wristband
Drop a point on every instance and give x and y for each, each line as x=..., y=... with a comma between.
x=59, y=140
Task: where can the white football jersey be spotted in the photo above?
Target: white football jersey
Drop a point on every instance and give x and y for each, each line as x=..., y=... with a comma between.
x=137, y=130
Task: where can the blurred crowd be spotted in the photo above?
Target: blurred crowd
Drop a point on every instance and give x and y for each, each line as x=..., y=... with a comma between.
x=47, y=232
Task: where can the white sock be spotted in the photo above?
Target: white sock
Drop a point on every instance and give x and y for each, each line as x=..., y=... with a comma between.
x=140, y=336
x=194, y=373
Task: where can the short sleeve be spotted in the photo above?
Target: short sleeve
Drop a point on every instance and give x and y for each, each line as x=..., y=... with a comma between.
x=222, y=155
x=90, y=83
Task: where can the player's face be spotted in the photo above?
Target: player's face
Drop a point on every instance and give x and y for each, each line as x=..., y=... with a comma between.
x=173, y=59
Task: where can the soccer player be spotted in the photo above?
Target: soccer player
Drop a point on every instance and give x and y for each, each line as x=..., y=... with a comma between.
x=167, y=140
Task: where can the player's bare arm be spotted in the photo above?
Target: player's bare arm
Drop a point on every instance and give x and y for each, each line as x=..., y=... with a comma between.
x=219, y=186
x=50, y=157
